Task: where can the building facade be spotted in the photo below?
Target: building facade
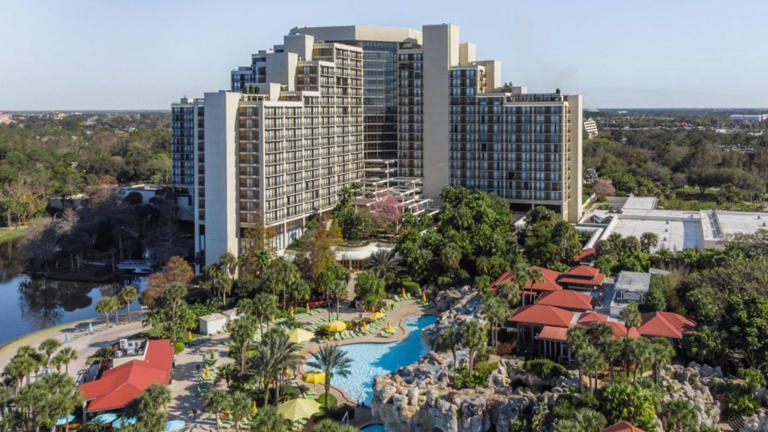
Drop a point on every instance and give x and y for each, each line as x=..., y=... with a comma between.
x=399, y=110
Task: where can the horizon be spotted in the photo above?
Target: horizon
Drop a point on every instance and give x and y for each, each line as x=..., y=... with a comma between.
x=652, y=55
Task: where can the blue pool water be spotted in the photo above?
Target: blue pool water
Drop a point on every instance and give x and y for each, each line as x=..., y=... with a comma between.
x=370, y=360
x=373, y=428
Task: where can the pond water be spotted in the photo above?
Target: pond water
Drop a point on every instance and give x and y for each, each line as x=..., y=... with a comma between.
x=370, y=359
x=29, y=304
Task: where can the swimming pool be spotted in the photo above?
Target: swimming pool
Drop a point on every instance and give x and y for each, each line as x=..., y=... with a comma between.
x=373, y=428
x=370, y=359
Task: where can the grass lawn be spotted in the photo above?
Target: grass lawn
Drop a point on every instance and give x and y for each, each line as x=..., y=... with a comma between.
x=8, y=234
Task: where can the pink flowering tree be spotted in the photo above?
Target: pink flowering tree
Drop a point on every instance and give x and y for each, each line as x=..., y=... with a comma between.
x=604, y=188
x=386, y=210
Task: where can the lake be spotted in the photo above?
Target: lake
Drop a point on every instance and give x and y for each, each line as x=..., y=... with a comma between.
x=29, y=304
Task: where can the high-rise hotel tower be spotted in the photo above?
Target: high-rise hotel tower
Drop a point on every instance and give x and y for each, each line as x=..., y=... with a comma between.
x=333, y=106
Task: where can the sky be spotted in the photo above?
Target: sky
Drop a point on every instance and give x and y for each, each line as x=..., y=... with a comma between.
x=146, y=54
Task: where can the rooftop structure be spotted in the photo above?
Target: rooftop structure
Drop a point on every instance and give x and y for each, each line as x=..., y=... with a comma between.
x=632, y=287
x=567, y=299
x=590, y=127
x=120, y=385
x=679, y=229
x=665, y=324
x=749, y=117
x=623, y=426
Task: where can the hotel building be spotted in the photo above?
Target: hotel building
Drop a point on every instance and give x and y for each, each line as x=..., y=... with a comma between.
x=397, y=110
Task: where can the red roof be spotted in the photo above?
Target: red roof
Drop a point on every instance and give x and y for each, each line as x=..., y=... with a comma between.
x=590, y=317
x=665, y=324
x=582, y=271
x=548, y=282
x=567, y=299
x=543, y=315
x=119, y=386
x=554, y=333
x=620, y=330
x=584, y=254
x=582, y=275
x=623, y=427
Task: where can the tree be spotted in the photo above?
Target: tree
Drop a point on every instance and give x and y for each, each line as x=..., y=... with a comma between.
x=65, y=356
x=20, y=367
x=49, y=398
x=228, y=372
x=272, y=357
x=228, y=262
x=657, y=297
x=631, y=316
x=242, y=332
x=591, y=362
x=383, y=263
x=239, y=408
x=279, y=276
x=661, y=355
x=106, y=306
x=172, y=315
x=475, y=338
x=329, y=425
x=604, y=188
x=268, y=419
x=648, y=241
x=48, y=347
x=497, y=310
x=332, y=361
x=550, y=240
x=218, y=279
x=679, y=415
x=127, y=295
x=299, y=291
x=154, y=397
x=322, y=240
x=449, y=339
x=578, y=341
x=369, y=288
x=631, y=402
x=264, y=306
x=216, y=401
x=174, y=295
x=386, y=210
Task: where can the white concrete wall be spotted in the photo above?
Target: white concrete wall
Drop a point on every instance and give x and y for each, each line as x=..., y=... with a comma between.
x=573, y=207
x=492, y=73
x=281, y=68
x=300, y=44
x=221, y=212
x=441, y=51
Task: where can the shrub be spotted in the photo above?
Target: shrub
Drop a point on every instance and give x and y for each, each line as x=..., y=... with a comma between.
x=178, y=347
x=478, y=377
x=331, y=400
x=412, y=288
x=545, y=368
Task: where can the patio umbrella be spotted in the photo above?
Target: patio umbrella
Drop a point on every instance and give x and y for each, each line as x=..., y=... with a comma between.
x=308, y=307
x=90, y=328
x=336, y=326
x=298, y=335
x=365, y=327
x=105, y=419
x=423, y=297
x=254, y=408
x=66, y=337
x=389, y=328
x=64, y=420
x=174, y=425
x=297, y=409
x=314, y=377
x=378, y=315
x=123, y=421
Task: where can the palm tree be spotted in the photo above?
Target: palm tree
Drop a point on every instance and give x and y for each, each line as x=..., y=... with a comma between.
x=337, y=291
x=648, y=241
x=18, y=368
x=65, y=356
x=239, y=407
x=155, y=397
x=229, y=263
x=383, y=263
x=241, y=334
x=127, y=295
x=631, y=316
x=62, y=396
x=578, y=340
x=228, y=373
x=174, y=294
x=333, y=361
x=591, y=362
x=449, y=339
x=497, y=311
x=268, y=419
x=679, y=415
x=273, y=356
x=48, y=347
x=264, y=306
x=612, y=351
x=216, y=401
x=474, y=337
x=661, y=355
x=299, y=291
x=106, y=306
x=279, y=276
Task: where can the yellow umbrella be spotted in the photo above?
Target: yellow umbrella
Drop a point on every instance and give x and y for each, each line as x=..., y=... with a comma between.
x=298, y=335
x=272, y=317
x=207, y=372
x=297, y=409
x=365, y=327
x=307, y=307
x=423, y=297
x=291, y=310
x=254, y=408
x=402, y=292
x=189, y=336
x=389, y=328
x=212, y=354
x=336, y=326
x=378, y=315
x=314, y=377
